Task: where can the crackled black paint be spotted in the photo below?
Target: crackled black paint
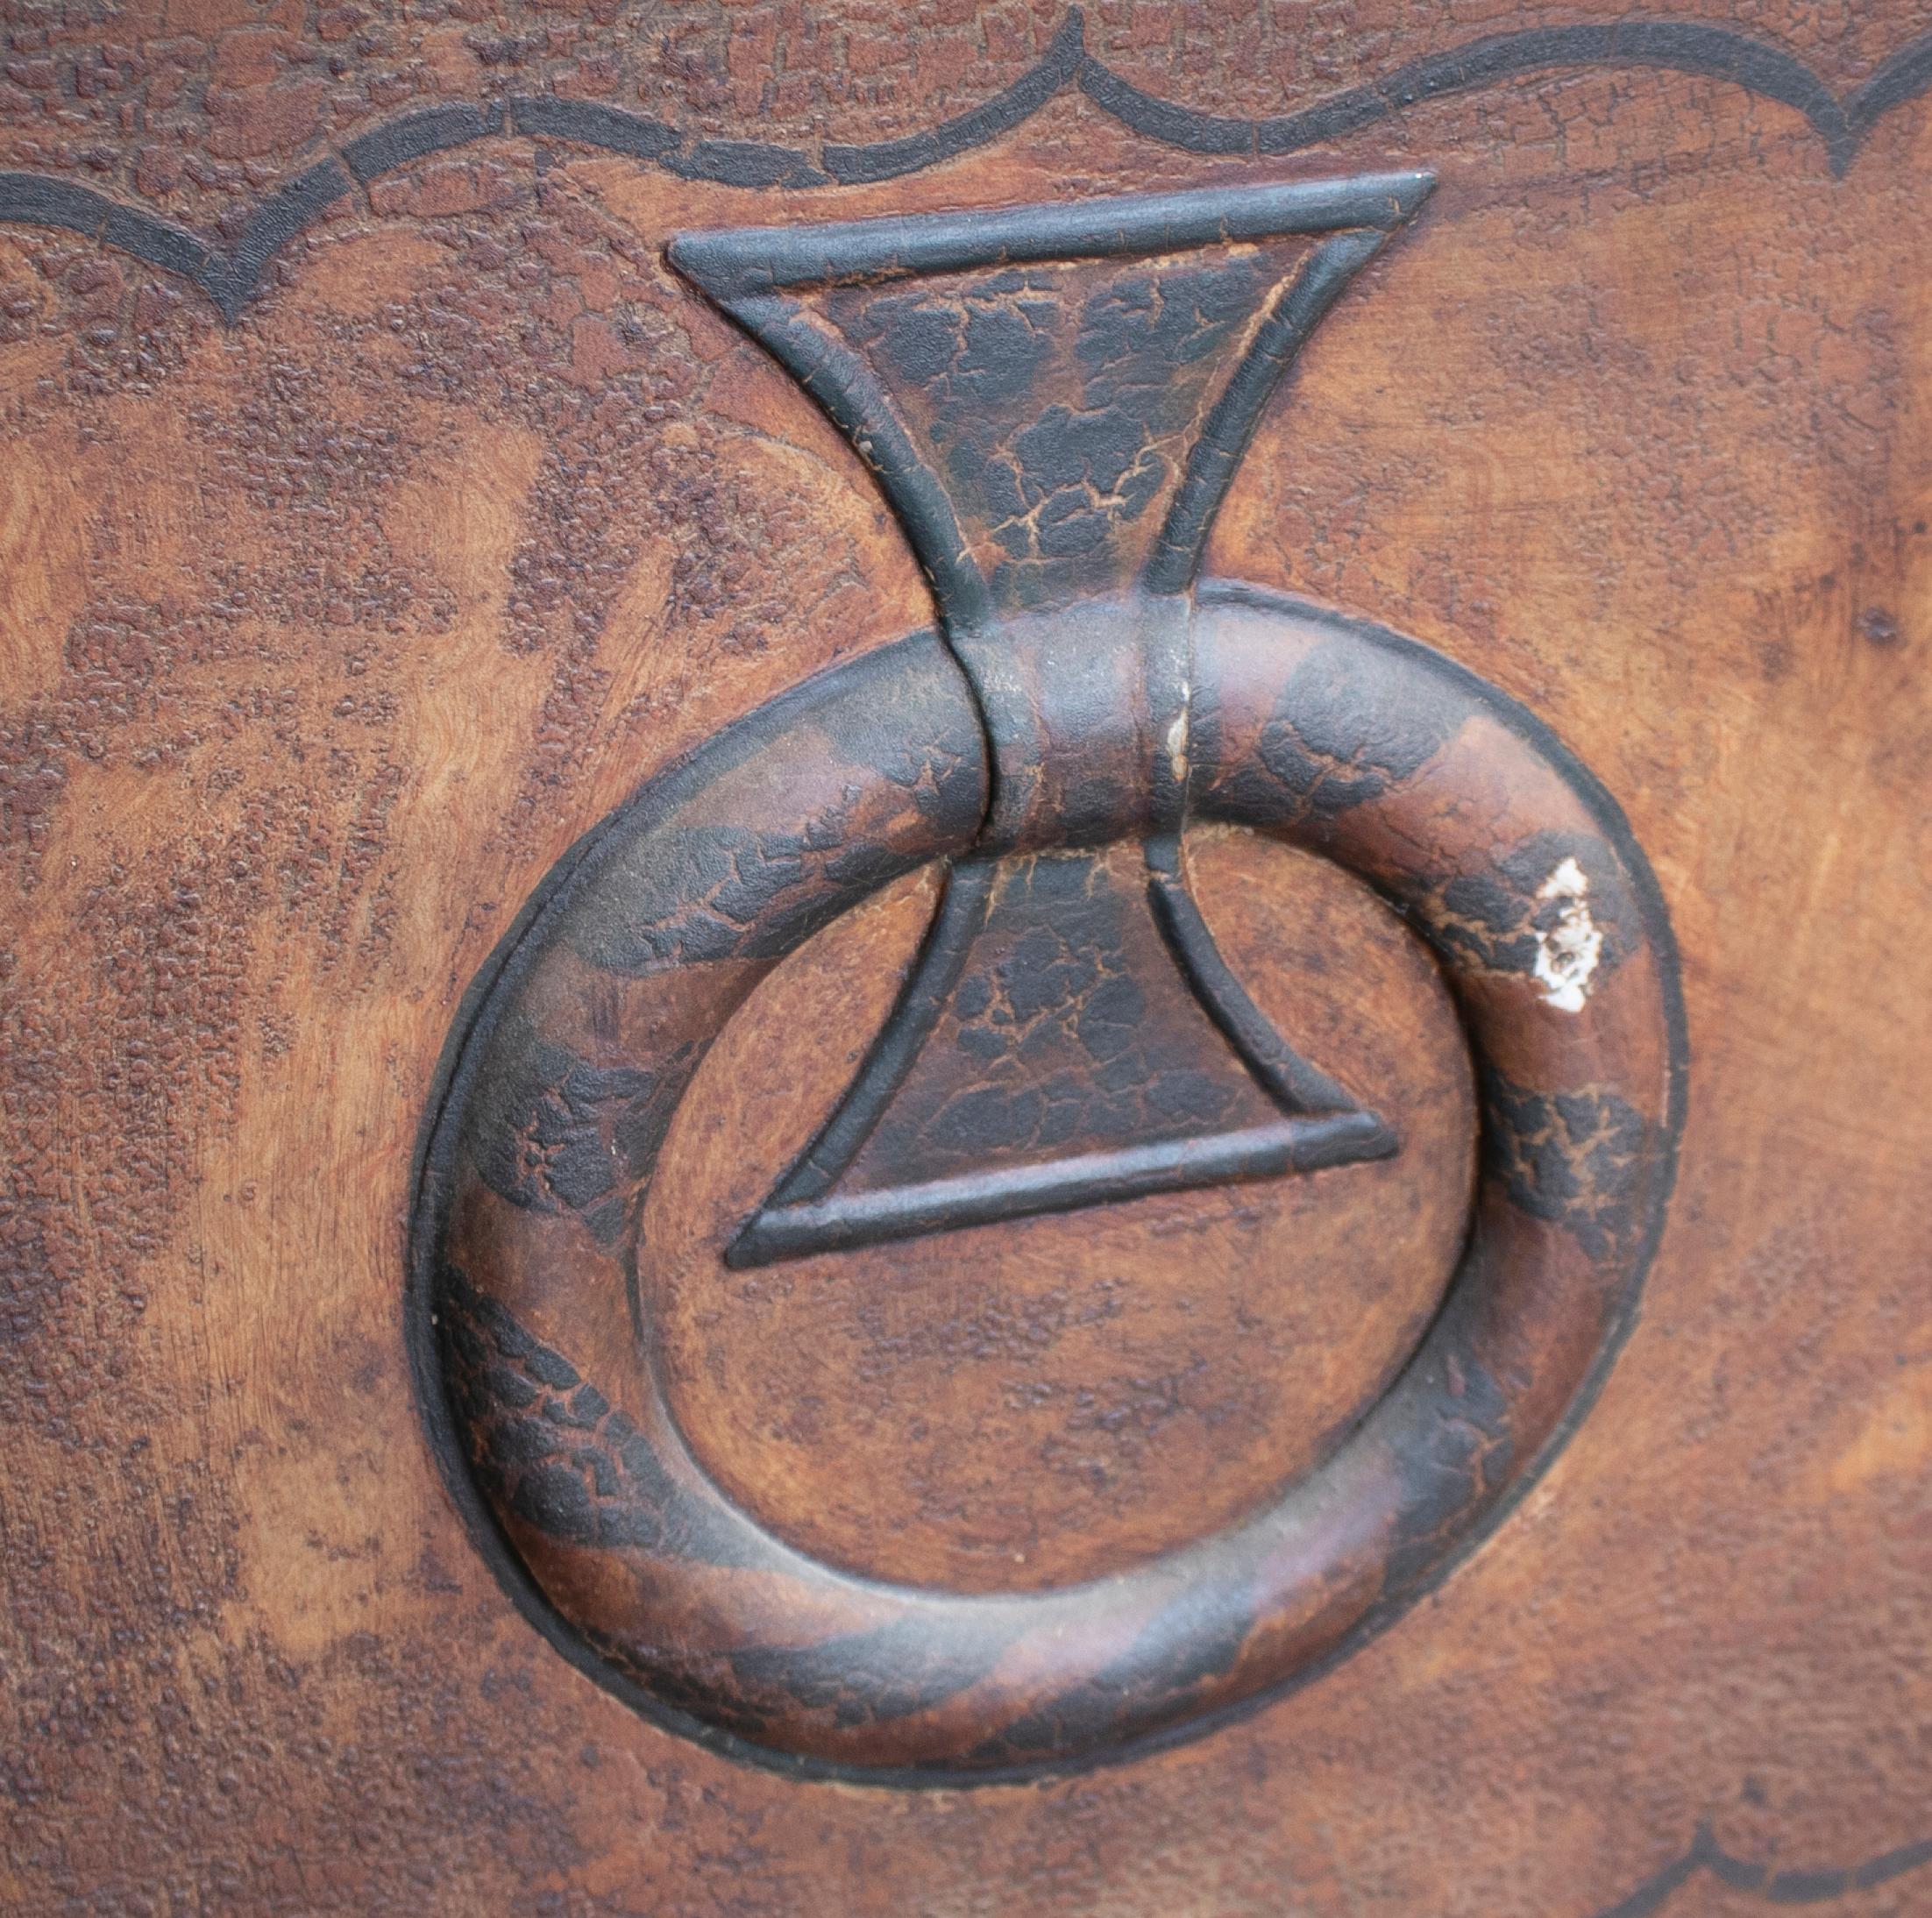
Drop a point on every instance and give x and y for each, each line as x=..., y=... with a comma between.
x=1030, y=385
x=1037, y=1061
x=1573, y=1158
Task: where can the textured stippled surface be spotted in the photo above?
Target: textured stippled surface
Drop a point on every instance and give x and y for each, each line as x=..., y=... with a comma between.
x=328, y=634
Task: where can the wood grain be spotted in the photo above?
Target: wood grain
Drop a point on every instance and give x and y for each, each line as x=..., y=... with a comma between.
x=326, y=633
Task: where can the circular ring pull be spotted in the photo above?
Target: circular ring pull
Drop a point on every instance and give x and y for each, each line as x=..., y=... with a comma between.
x=1454, y=804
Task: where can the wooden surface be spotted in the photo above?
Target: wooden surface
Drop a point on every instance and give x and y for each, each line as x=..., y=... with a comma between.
x=329, y=620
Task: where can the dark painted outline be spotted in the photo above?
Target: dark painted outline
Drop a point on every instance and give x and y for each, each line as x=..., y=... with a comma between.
x=1175, y=562
x=1787, y=1887
x=891, y=160
x=230, y=276
x=844, y=386
x=749, y=272
x=756, y=267
x=431, y=1170
x=734, y=264
x=1283, y=1073
x=956, y=926
x=1680, y=46
x=843, y=1222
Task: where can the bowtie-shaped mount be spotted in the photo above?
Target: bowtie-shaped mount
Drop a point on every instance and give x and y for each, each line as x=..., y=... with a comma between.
x=1055, y=401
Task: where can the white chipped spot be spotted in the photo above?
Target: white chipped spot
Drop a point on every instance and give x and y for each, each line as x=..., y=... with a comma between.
x=1177, y=739
x=1569, y=950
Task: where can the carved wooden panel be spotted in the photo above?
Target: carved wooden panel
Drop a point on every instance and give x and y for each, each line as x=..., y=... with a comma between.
x=965, y=961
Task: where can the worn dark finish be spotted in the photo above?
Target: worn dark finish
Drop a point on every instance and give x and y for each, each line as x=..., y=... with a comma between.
x=1032, y=512
x=334, y=613
x=1051, y=1050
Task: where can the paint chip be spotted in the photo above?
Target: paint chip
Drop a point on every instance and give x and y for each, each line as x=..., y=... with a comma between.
x=1570, y=948
x=1178, y=741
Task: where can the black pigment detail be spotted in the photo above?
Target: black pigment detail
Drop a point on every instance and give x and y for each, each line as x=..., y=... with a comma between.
x=1681, y=46
x=1022, y=421
x=870, y=1678
x=611, y=128
x=1787, y=1887
x=1461, y=1455
x=744, y=163
x=739, y=263
x=1905, y=75
x=1341, y=735
x=663, y=890
x=935, y=972
x=889, y=160
x=553, y=1133
x=1575, y=1159
x=839, y=381
x=1296, y=1085
x=399, y=142
x=1198, y=1638
x=549, y=1449
x=270, y=227
x=45, y=200
x=539, y=1452
x=1225, y=432
x=1070, y=1034
x=1056, y=411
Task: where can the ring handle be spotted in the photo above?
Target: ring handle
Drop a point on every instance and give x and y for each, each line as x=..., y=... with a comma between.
x=1443, y=795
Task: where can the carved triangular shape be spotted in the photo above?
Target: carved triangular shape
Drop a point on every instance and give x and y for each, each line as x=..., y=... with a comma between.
x=1055, y=397
x=1058, y=402
x=1068, y=1036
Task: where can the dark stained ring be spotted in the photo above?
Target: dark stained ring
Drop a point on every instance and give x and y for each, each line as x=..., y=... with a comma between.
x=1443, y=795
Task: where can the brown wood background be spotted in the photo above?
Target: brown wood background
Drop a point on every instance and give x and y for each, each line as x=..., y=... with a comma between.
x=322, y=634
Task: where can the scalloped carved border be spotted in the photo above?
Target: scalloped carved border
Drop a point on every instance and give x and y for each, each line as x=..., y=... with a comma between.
x=230, y=275
x=1785, y=1888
